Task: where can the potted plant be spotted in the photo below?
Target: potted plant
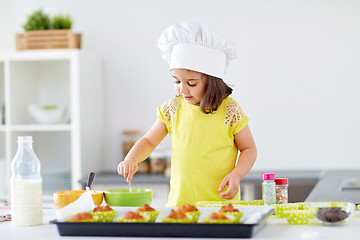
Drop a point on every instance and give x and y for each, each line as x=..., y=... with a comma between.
x=44, y=32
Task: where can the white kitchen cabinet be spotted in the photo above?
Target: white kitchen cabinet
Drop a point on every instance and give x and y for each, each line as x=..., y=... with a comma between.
x=69, y=150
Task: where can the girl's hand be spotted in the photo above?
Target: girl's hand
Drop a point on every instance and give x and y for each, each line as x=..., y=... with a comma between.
x=127, y=168
x=233, y=182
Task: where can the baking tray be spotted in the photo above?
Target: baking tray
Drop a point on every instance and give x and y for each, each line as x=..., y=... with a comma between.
x=249, y=228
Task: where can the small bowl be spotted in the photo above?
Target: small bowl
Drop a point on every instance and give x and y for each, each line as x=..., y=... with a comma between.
x=63, y=198
x=298, y=217
x=123, y=197
x=332, y=213
x=48, y=114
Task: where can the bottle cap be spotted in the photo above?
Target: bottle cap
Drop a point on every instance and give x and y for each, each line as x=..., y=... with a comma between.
x=281, y=181
x=268, y=176
x=25, y=139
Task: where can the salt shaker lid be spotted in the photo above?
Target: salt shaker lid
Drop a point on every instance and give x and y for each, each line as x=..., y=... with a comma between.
x=268, y=176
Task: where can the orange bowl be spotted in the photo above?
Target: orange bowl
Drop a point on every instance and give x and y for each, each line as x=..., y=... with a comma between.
x=63, y=198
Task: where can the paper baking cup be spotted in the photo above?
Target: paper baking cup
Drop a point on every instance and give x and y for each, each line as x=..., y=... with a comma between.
x=212, y=203
x=104, y=216
x=280, y=208
x=194, y=216
x=235, y=215
x=298, y=217
x=230, y=220
x=122, y=220
x=84, y=221
x=150, y=216
x=258, y=202
x=165, y=219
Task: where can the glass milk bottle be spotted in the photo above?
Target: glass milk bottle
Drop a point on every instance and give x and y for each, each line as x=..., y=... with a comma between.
x=26, y=185
x=268, y=188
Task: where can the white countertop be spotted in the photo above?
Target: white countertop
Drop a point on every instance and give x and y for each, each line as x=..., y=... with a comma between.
x=276, y=228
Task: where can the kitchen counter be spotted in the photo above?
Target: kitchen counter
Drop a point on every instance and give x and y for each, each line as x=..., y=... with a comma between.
x=331, y=187
x=276, y=228
x=300, y=183
x=253, y=177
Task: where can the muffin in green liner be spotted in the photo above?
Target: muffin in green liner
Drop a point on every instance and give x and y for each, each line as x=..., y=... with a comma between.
x=150, y=215
x=83, y=221
x=234, y=215
x=229, y=219
x=132, y=217
x=194, y=216
x=104, y=216
x=298, y=217
x=82, y=217
x=176, y=216
x=165, y=219
x=122, y=220
x=280, y=208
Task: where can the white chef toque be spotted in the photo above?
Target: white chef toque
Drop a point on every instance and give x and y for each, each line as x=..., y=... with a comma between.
x=191, y=45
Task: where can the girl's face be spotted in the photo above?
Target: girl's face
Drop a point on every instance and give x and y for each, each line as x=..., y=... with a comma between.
x=190, y=85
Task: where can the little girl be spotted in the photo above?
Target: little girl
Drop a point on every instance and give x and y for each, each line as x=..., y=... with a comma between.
x=207, y=128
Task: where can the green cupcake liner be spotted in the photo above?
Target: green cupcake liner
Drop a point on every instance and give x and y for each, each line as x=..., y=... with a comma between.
x=150, y=215
x=165, y=219
x=194, y=216
x=212, y=203
x=230, y=220
x=303, y=205
x=235, y=215
x=83, y=221
x=122, y=220
x=298, y=217
x=280, y=208
x=257, y=202
x=105, y=216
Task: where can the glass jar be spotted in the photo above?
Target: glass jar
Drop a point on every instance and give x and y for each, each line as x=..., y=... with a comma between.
x=158, y=162
x=281, y=186
x=268, y=188
x=129, y=139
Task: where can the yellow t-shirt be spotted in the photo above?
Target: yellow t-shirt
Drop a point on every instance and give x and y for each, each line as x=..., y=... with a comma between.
x=203, y=149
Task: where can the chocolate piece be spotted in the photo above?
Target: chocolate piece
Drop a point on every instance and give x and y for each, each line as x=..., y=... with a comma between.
x=331, y=214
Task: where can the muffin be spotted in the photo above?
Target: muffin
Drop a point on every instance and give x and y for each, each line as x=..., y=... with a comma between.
x=191, y=211
x=132, y=216
x=229, y=210
x=105, y=208
x=82, y=217
x=148, y=212
x=103, y=213
x=218, y=218
x=176, y=216
x=145, y=208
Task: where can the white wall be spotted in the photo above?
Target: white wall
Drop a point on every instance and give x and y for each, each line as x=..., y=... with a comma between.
x=297, y=76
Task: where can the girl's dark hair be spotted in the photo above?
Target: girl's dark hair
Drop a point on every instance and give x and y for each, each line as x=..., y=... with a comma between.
x=216, y=91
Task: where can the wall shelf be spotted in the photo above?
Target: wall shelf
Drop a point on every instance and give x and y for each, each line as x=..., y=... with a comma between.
x=66, y=77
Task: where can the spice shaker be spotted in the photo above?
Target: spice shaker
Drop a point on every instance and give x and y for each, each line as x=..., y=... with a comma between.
x=281, y=186
x=268, y=188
